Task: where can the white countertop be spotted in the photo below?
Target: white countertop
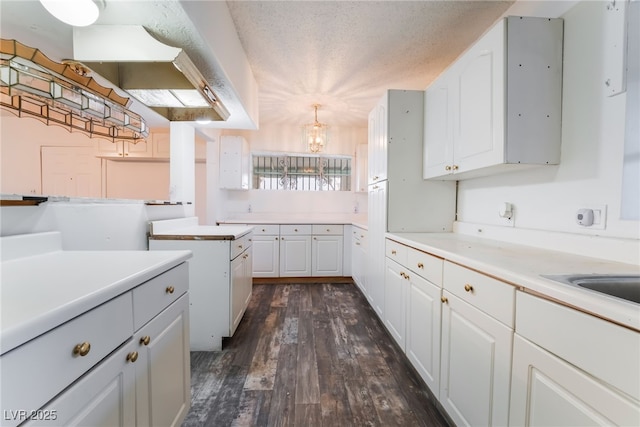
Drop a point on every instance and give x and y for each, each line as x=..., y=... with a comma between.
x=188, y=229
x=44, y=290
x=277, y=218
x=523, y=266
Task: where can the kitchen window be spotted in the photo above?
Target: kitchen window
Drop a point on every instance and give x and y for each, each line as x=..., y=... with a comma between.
x=301, y=172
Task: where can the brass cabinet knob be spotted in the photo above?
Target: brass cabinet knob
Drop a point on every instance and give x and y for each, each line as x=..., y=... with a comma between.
x=82, y=349
x=420, y=265
x=315, y=238
x=170, y=289
x=276, y=238
x=145, y=340
x=468, y=288
x=455, y=167
x=393, y=252
x=132, y=357
x=444, y=299
x=328, y=229
x=357, y=243
x=295, y=229
x=447, y=168
x=402, y=274
x=263, y=230
x=375, y=178
x=240, y=246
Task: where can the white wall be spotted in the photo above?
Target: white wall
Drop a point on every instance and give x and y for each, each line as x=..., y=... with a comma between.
x=590, y=173
x=272, y=138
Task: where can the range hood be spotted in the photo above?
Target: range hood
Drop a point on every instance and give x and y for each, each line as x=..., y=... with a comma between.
x=161, y=77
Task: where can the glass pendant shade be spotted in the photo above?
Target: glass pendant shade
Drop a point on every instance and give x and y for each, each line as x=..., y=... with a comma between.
x=315, y=134
x=78, y=13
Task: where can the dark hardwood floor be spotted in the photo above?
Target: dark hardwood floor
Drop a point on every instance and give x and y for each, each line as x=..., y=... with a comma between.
x=308, y=355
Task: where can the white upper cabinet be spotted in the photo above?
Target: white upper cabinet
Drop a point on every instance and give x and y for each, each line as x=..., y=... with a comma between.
x=498, y=107
x=234, y=163
x=378, y=135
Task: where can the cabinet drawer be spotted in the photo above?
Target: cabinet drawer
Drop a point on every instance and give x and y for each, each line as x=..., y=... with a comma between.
x=492, y=296
x=327, y=229
x=290, y=229
x=396, y=251
x=603, y=349
x=266, y=229
x=425, y=265
x=240, y=245
x=47, y=364
x=153, y=296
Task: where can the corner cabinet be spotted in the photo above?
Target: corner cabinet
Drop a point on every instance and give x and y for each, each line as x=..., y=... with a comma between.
x=498, y=107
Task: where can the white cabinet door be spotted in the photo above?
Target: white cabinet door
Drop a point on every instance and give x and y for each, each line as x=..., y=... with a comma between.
x=375, y=252
x=478, y=138
x=295, y=256
x=163, y=394
x=395, y=300
x=362, y=170
x=234, y=163
x=327, y=255
x=377, y=163
x=241, y=286
x=546, y=391
x=71, y=171
x=438, y=128
x=475, y=365
x=103, y=397
x=266, y=256
x=359, y=258
x=423, y=330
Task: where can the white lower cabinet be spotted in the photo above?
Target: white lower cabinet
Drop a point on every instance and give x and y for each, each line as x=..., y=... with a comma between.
x=396, y=288
x=295, y=255
x=327, y=243
x=266, y=255
x=144, y=382
x=241, y=288
x=475, y=365
x=423, y=329
x=571, y=368
x=359, y=257
x=163, y=367
x=103, y=397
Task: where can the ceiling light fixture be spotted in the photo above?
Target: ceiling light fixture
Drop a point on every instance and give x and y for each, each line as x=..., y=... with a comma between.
x=32, y=85
x=78, y=13
x=315, y=134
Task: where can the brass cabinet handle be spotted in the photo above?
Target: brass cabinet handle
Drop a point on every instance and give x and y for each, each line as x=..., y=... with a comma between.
x=276, y=238
x=420, y=265
x=145, y=340
x=315, y=238
x=132, y=357
x=375, y=178
x=295, y=229
x=328, y=229
x=402, y=274
x=393, y=252
x=170, y=289
x=447, y=168
x=468, y=288
x=444, y=300
x=455, y=167
x=82, y=349
x=358, y=243
x=240, y=246
x=263, y=229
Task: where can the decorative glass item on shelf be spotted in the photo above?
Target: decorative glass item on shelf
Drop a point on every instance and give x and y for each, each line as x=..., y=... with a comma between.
x=315, y=135
x=32, y=85
x=303, y=173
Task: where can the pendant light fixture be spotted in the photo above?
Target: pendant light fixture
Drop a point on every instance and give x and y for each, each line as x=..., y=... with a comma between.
x=315, y=134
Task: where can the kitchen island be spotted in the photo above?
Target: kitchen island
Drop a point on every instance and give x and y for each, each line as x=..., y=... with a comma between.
x=92, y=336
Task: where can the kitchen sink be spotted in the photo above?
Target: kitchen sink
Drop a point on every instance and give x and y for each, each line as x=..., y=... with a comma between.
x=625, y=286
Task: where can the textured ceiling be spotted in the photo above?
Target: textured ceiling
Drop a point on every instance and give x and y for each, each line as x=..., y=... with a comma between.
x=344, y=54
x=341, y=54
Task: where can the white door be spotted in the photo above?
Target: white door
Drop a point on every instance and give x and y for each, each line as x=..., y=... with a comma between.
x=327, y=255
x=295, y=256
x=375, y=251
x=438, y=140
x=71, y=171
x=423, y=330
x=103, y=397
x=546, y=390
x=266, y=256
x=475, y=365
x=163, y=385
x=479, y=122
x=395, y=299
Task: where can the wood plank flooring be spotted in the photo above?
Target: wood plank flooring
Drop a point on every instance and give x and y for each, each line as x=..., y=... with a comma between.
x=309, y=355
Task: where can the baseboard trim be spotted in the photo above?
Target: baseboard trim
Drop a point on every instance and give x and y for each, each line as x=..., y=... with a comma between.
x=301, y=280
